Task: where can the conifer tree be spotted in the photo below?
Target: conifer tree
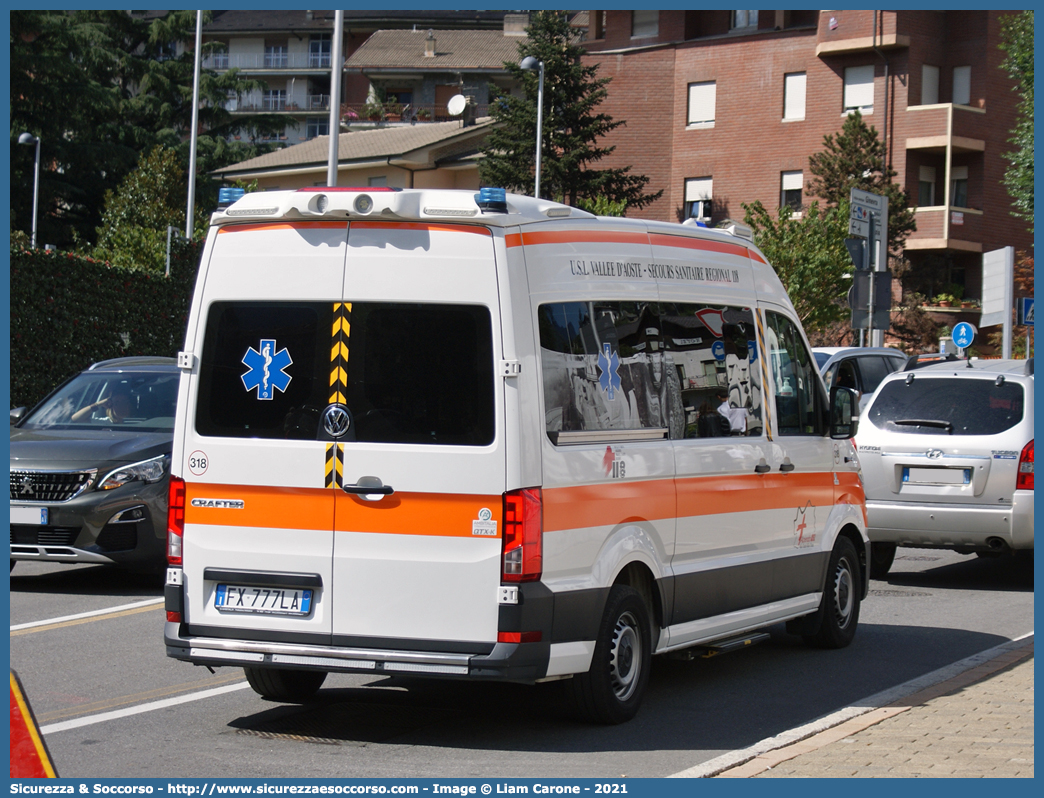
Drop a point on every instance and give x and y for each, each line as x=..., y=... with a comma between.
x=572, y=126
x=855, y=158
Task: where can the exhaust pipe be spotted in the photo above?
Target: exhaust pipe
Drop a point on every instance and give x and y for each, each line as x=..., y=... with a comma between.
x=997, y=544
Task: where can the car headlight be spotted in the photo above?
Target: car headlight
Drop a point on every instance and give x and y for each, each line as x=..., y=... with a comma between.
x=146, y=471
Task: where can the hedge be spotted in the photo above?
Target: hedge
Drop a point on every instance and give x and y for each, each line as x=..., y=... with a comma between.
x=68, y=312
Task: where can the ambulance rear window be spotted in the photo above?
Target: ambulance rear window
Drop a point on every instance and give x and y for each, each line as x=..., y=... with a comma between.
x=408, y=373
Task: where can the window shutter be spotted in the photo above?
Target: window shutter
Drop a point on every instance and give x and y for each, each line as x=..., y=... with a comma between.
x=702, y=98
x=794, y=96
x=859, y=87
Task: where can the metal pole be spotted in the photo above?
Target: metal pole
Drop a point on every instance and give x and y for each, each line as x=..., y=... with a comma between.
x=336, y=74
x=190, y=213
x=872, y=258
x=540, y=128
x=36, y=192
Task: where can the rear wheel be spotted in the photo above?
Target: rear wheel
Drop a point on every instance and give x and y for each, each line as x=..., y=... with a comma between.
x=841, y=596
x=284, y=685
x=611, y=691
x=881, y=557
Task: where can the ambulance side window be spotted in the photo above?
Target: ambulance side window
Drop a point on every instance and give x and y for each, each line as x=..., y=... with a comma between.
x=799, y=400
x=264, y=372
x=714, y=348
x=604, y=368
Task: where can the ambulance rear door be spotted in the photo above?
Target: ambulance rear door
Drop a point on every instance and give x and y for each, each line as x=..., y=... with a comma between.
x=259, y=510
x=421, y=466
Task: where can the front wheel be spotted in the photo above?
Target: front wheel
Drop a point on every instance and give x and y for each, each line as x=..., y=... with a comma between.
x=882, y=555
x=841, y=596
x=285, y=685
x=611, y=691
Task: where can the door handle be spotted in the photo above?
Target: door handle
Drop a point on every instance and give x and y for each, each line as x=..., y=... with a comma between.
x=369, y=489
x=786, y=467
x=762, y=468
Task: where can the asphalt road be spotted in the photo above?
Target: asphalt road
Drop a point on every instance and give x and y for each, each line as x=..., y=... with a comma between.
x=934, y=608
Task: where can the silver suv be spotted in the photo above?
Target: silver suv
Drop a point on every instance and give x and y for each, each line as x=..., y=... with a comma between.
x=946, y=450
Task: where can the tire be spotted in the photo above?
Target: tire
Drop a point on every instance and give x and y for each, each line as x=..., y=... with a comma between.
x=882, y=555
x=839, y=609
x=611, y=691
x=12, y=565
x=285, y=685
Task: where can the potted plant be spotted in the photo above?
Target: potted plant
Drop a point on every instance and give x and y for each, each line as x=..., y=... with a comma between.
x=424, y=114
x=944, y=300
x=374, y=111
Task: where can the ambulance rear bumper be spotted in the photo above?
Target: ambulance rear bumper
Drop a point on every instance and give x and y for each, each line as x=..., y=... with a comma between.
x=514, y=662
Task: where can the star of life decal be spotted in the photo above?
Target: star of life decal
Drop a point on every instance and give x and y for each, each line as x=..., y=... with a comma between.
x=609, y=363
x=266, y=369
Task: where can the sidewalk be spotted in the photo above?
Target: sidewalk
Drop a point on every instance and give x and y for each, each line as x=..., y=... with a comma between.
x=974, y=719
x=977, y=724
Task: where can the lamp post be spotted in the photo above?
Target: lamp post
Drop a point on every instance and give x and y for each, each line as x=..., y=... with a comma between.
x=529, y=64
x=29, y=138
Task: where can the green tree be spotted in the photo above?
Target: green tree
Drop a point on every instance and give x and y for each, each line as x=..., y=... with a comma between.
x=571, y=125
x=99, y=88
x=809, y=256
x=855, y=158
x=133, y=233
x=1017, y=35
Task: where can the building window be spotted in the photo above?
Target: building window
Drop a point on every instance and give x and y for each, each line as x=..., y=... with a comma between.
x=699, y=193
x=645, y=24
x=744, y=19
x=926, y=187
x=319, y=51
x=702, y=98
x=794, y=95
x=929, y=84
x=959, y=186
x=791, y=184
x=962, y=85
x=317, y=126
x=275, y=56
x=380, y=181
x=274, y=100
x=859, y=89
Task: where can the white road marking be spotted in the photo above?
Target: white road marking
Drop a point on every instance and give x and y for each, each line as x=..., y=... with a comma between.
x=91, y=614
x=733, y=758
x=90, y=720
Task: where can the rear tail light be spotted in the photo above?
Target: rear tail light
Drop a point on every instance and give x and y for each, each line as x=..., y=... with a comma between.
x=1025, y=478
x=523, y=536
x=175, y=520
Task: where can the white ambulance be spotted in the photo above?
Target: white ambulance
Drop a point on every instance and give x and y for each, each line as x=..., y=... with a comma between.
x=447, y=434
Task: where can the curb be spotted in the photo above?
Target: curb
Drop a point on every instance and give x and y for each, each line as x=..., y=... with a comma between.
x=868, y=712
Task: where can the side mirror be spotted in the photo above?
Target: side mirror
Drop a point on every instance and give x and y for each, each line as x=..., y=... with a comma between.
x=844, y=413
x=16, y=415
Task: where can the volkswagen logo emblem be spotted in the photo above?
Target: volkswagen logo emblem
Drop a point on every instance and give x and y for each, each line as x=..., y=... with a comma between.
x=336, y=420
x=934, y=454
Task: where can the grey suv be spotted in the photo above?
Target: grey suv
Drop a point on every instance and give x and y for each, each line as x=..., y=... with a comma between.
x=946, y=451
x=90, y=467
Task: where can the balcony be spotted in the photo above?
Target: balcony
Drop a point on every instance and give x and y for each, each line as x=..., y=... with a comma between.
x=852, y=31
x=417, y=113
x=269, y=61
x=268, y=105
x=952, y=229
x=945, y=126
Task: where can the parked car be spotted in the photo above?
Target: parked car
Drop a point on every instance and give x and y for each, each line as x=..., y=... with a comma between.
x=90, y=467
x=946, y=450
x=859, y=368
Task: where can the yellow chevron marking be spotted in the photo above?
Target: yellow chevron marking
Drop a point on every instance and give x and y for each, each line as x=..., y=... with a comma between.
x=339, y=350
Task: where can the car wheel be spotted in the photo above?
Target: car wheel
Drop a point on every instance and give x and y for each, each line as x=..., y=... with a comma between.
x=881, y=557
x=839, y=609
x=284, y=685
x=611, y=691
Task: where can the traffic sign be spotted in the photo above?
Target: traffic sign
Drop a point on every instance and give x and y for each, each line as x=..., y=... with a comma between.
x=963, y=334
x=859, y=228
x=872, y=202
x=1026, y=310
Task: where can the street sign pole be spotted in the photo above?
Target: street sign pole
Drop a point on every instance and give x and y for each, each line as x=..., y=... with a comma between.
x=870, y=305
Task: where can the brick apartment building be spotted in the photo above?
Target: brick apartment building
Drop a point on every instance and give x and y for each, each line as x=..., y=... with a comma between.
x=725, y=107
